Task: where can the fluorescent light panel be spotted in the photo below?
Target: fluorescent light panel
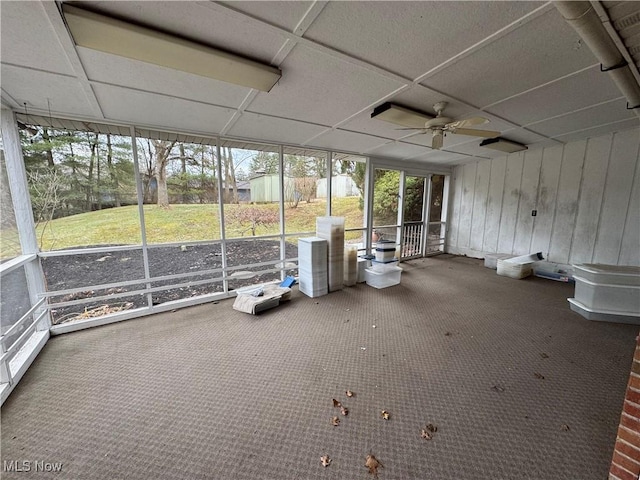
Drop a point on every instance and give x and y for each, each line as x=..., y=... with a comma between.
x=400, y=115
x=109, y=35
x=503, y=145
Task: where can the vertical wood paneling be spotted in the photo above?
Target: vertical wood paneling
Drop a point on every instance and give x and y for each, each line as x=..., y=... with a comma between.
x=586, y=193
x=617, y=192
x=528, y=199
x=494, y=205
x=456, y=200
x=510, y=200
x=567, y=201
x=630, y=251
x=547, y=193
x=466, y=209
x=483, y=173
x=593, y=177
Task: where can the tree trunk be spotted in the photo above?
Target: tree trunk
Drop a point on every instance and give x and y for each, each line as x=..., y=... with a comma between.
x=163, y=149
x=48, y=152
x=93, y=145
x=183, y=171
x=115, y=186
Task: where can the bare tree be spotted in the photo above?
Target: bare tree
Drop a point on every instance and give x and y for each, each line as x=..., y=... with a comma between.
x=162, y=150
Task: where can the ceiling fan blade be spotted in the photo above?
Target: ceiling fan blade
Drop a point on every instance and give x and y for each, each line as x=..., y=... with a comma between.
x=467, y=122
x=437, y=141
x=423, y=129
x=475, y=133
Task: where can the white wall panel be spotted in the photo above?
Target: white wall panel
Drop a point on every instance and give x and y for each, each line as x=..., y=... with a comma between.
x=586, y=193
x=528, y=200
x=456, y=200
x=630, y=251
x=466, y=207
x=510, y=201
x=567, y=201
x=594, y=175
x=547, y=194
x=481, y=191
x=617, y=193
x=494, y=204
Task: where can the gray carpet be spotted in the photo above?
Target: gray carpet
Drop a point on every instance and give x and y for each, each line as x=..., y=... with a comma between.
x=208, y=392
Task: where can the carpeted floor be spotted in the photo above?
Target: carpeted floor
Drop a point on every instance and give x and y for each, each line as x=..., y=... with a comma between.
x=208, y=392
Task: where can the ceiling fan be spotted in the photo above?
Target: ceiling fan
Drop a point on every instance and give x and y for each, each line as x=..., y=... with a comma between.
x=438, y=126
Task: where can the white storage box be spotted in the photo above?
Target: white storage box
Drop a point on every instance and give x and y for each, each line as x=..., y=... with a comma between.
x=491, y=259
x=619, y=298
x=608, y=274
x=385, y=279
x=384, y=266
x=513, y=270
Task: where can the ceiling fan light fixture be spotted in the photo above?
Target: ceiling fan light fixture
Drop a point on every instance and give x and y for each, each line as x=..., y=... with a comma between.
x=392, y=113
x=503, y=145
x=109, y=35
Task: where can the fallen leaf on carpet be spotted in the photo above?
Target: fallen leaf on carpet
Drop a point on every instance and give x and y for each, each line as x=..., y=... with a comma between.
x=335, y=421
x=431, y=428
x=336, y=403
x=425, y=434
x=350, y=393
x=373, y=464
x=544, y=355
x=386, y=415
x=565, y=427
x=344, y=411
x=539, y=376
x=325, y=460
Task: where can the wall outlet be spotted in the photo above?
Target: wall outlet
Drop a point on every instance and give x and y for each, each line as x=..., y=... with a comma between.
x=534, y=213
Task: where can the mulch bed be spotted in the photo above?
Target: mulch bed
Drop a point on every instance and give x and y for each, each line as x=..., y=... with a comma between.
x=85, y=270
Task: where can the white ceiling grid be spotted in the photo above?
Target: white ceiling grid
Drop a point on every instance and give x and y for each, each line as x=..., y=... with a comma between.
x=517, y=63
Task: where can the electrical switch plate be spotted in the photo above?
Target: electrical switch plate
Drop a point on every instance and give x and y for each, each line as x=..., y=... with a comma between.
x=534, y=213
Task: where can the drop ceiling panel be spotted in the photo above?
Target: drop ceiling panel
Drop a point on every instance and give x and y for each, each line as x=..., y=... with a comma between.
x=420, y=98
x=283, y=14
x=601, y=130
x=440, y=156
x=196, y=21
x=588, y=88
x=122, y=71
x=64, y=94
x=24, y=25
x=159, y=111
x=346, y=141
x=399, y=150
x=370, y=30
x=319, y=88
x=365, y=124
x=542, y=50
x=253, y=125
x=590, y=117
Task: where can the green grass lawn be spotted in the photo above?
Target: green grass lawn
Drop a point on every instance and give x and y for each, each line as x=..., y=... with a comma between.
x=178, y=223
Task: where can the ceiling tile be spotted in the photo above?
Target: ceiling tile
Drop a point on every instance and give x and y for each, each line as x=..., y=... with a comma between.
x=440, y=156
x=363, y=123
x=346, y=141
x=370, y=30
x=591, y=117
x=151, y=110
x=283, y=14
x=601, y=130
x=538, y=52
x=44, y=91
x=571, y=93
x=263, y=127
x=399, y=150
x=25, y=25
x=321, y=89
x=125, y=72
